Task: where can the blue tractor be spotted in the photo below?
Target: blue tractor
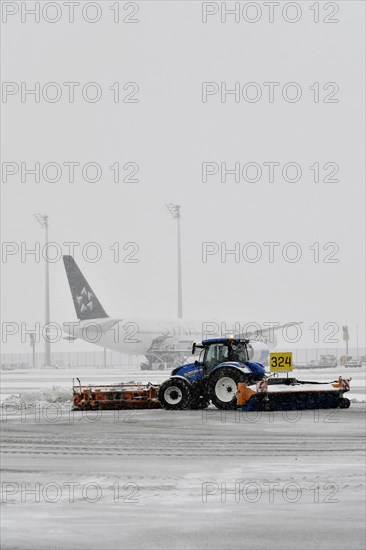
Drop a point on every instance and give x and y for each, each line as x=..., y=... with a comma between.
x=223, y=363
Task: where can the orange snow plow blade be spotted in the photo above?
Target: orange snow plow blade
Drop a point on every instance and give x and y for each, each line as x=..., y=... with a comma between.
x=244, y=394
x=116, y=396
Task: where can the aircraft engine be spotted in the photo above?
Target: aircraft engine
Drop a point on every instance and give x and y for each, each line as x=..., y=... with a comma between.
x=258, y=351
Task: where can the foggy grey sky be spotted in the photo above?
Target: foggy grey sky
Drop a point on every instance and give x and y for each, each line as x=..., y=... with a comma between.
x=169, y=133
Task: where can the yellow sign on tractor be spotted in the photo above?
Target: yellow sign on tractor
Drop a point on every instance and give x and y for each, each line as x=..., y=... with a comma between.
x=281, y=362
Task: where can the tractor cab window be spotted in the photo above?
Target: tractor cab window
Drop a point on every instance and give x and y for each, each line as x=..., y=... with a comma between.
x=239, y=353
x=215, y=354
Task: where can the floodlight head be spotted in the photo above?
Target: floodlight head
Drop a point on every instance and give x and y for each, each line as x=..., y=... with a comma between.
x=41, y=219
x=174, y=209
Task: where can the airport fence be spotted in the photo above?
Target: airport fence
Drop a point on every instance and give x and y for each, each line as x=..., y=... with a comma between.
x=61, y=359
x=111, y=359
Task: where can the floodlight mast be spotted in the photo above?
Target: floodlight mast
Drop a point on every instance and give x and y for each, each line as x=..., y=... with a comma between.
x=43, y=221
x=174, y=209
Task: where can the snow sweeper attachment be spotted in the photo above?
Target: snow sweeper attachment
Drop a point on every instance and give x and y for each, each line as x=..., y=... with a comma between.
x=279, y=394
x=116, y=396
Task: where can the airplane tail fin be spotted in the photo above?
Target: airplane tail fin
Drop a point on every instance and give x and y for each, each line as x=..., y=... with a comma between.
x=87, y=305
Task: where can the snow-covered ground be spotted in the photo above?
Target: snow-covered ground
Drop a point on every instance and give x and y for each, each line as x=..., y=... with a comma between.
x=188, y=479
x=33, y=383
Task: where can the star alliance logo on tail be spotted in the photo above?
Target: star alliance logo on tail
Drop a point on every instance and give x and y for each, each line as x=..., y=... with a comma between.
x=85, y=300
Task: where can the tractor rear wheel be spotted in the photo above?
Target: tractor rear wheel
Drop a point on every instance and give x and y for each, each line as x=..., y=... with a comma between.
x=174, y=394
x=223, y=387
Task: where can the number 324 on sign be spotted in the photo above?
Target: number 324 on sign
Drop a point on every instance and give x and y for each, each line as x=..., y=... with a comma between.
x=281, y=362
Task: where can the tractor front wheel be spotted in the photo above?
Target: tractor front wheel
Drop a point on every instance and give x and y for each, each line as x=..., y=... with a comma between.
x=174, y=394
x=223, y=387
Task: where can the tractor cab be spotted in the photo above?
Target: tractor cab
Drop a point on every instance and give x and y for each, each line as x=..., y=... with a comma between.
x=221, y=350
